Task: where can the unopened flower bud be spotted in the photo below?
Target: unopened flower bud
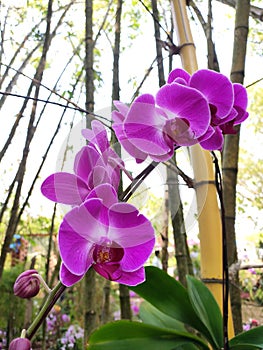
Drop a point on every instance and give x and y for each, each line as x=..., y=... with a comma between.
x=20, y=344
x=27, y=285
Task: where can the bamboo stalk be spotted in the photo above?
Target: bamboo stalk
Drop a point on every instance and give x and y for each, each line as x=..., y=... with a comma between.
x=210, y=227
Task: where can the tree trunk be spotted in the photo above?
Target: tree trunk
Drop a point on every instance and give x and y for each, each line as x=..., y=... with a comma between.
x=183, y=260
x=12, y=225
x=125, y=304
x=90, y=311
x=230, y=158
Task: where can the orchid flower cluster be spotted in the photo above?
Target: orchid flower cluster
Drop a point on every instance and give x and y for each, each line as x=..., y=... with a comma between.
x=104, y=233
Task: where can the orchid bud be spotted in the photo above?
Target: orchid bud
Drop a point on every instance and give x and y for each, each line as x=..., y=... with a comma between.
x=20, y=344
x=27, y=285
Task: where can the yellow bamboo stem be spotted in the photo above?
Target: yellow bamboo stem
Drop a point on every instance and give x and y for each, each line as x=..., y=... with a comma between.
x=210, y=227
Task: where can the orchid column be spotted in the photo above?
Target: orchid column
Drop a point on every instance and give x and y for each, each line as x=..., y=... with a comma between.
x=210, y=228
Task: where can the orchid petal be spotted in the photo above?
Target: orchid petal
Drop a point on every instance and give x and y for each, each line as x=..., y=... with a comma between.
x=139, y=155
x=144, y=112
x=132, y=278
x=65, y=188
x=111, y=272
x=67, y=278
x=106, y=193
x=98, y=135
x=135, y=257
x=149, y=139
x=240, y=94
x=98, y=176
x=84, y=162
x=88, y=220
x=123, y=110
x=185, y=103
x=216, y=87
x=74, y=249
x=215, y=142
x=127, y=227
x=178, y=73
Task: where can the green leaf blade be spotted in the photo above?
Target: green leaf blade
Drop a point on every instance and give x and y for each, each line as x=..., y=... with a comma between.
x=206, y=308
x=127, y=335
x=170, y=297
x=252, y=339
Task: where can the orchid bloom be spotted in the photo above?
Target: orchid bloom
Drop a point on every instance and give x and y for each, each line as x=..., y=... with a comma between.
x=106, y=235
x=187, y=110
x=94, y=164
x=227, y=102
x=178, y=116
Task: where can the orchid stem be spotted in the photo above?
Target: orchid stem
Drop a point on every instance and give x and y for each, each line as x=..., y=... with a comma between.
x=52, y=297
x=137, y=181
x=43, y=282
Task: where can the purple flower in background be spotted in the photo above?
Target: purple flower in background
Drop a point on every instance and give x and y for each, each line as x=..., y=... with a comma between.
x=65, y=318
x=178, y=116
x=109, y=236
x=94, y=164
x=27, y=284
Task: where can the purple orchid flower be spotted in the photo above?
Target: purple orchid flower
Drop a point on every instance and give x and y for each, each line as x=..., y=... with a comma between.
x=109, y=236
x=227, y=102
x=178, y=116
x=94, y=164
x=187, y=110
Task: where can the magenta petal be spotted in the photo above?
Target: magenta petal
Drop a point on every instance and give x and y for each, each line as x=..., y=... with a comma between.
x=149, y=139
x=216, y=87
x=98, y=176
x=185, y=103
x=84, y=162
x=128, y=146
x=106, y=193
x=242, y=116
x=74, y=249
x=240, y=94
x=135, y=257
x=215, y=142
x=178, y=73
x=144, y=112
x=123, y=109
x=67, y=278
x=132, y=278
x=111, y=272
x=127, y=227
x=98, y=135
x=65, y=188
x=88, y=220
x=209, y=132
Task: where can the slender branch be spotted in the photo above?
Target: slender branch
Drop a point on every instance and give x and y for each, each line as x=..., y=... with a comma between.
x=52, y=298
x=218, y=182
x=137, y=181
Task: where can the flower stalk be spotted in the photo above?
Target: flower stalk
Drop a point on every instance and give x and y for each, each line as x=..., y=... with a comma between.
x=52, y=298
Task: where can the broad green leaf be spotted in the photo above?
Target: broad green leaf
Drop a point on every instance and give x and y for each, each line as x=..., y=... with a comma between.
x=206, y=308
x=252, y=339
x=170, y=297
x=127, y=335
x=149, y=314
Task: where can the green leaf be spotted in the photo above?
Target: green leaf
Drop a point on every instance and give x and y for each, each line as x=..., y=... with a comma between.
x=206, y=308
x=252, y=339
x=149, y=314
x=127, y=335
x=170, y=297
